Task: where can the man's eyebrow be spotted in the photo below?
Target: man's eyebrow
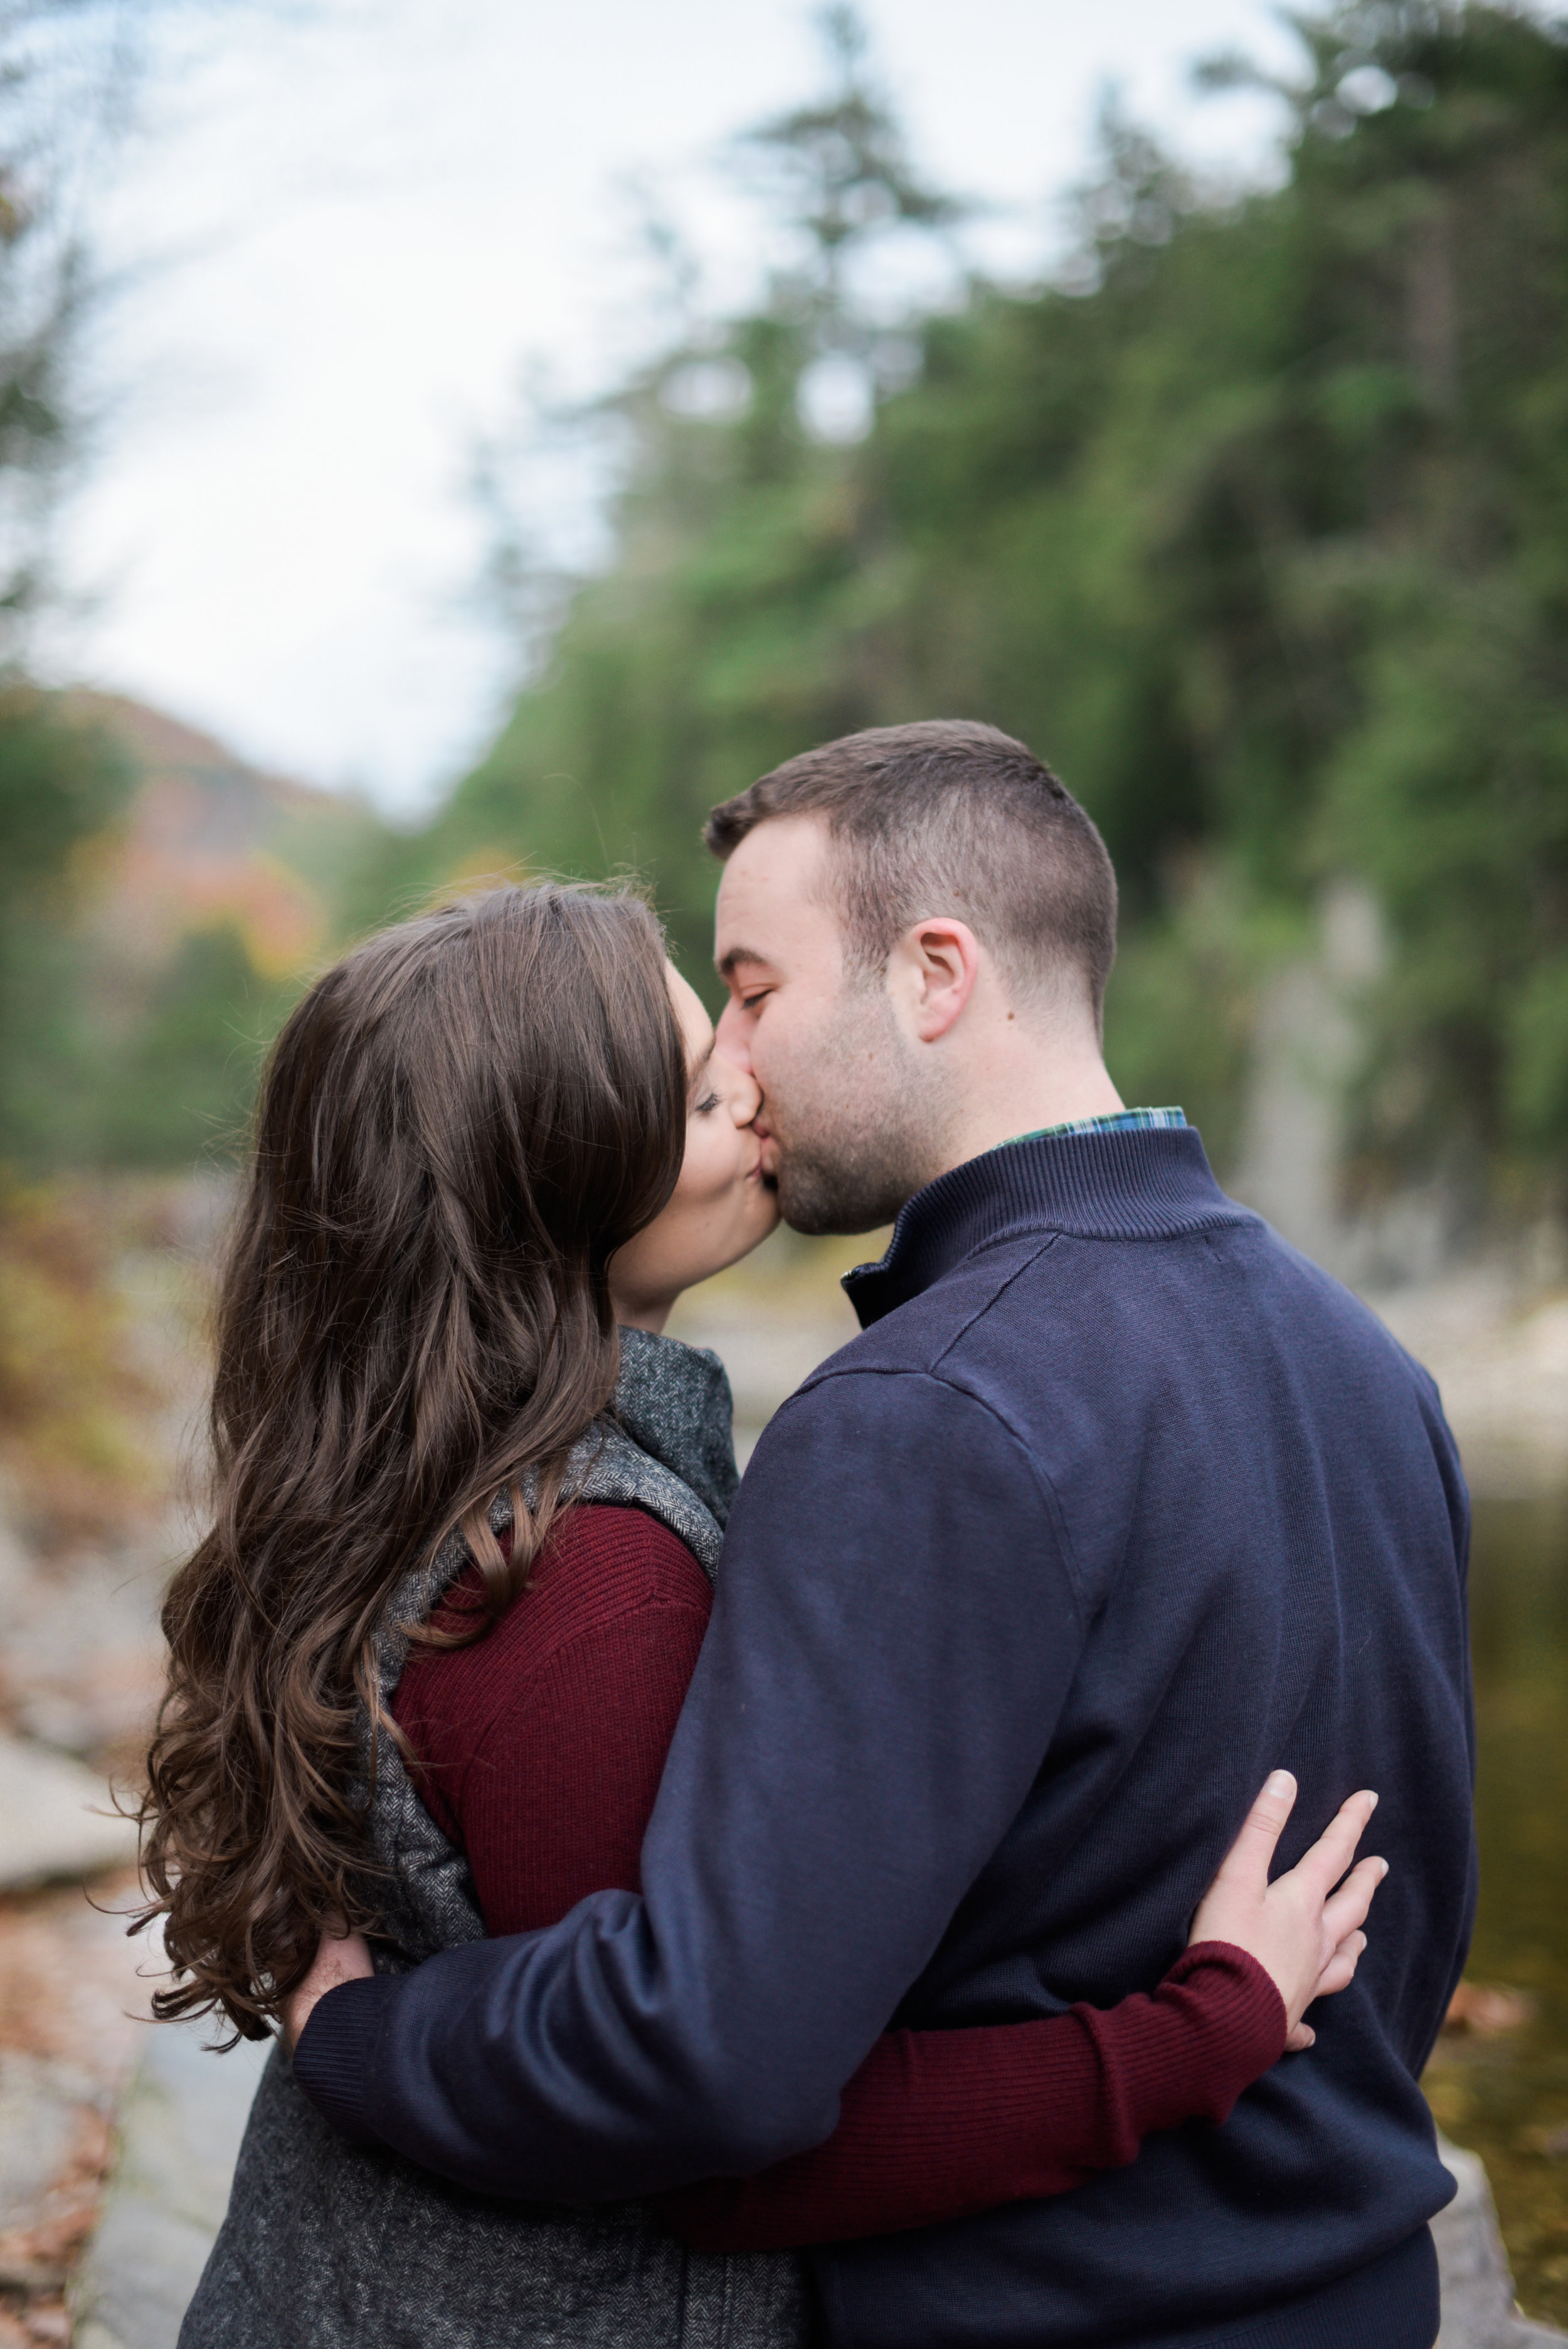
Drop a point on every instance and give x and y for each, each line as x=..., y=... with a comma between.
x=730, y=962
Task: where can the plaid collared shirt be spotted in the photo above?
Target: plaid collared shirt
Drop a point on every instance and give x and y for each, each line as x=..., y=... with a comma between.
x=1117, y=1121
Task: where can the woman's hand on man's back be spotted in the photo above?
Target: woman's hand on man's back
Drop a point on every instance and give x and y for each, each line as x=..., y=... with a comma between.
x=1305, y=1934
x=339, y=1958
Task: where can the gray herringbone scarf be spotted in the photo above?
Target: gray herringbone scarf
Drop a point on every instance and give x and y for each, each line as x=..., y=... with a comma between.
x=328, y=2245
x=669, y=1450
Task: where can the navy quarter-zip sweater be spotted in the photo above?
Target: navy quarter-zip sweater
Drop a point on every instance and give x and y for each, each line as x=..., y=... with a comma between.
x=1115, y=1503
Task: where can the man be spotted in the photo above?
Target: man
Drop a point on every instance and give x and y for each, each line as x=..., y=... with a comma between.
x=1115, y=1503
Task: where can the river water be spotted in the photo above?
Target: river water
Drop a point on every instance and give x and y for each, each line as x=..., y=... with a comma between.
x=1505, y=2091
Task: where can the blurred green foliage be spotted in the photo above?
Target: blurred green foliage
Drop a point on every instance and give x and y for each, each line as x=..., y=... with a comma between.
x=181, y=1086
x=112, y=1052
x=62, y=781
x=1254, y=525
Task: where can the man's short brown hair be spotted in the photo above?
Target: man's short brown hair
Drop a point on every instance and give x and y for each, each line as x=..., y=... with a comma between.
x=950, y=817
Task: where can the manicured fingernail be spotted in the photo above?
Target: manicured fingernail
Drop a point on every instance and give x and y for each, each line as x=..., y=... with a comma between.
x=1383, y=1869
x=1279, y=1783
x=1372, y=1798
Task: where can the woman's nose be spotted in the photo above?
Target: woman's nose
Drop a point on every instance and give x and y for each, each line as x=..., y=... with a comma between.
x=748, y=1097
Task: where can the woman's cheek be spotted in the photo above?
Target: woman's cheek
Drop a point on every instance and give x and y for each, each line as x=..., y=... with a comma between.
x=705, y=1164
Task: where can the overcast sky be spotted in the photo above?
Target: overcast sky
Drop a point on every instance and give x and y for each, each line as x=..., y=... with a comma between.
x=347, y=231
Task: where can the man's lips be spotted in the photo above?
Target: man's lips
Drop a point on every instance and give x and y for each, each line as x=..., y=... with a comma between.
x=769, y=1162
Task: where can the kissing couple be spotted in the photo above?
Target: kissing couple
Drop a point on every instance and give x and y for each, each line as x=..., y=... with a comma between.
x=834, y=1906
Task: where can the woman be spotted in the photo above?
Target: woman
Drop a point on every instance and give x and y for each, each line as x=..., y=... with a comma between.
x=485, y=1139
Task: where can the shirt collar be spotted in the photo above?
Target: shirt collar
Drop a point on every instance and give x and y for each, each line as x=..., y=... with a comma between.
x=1114, y=1182
x=1116, y=1121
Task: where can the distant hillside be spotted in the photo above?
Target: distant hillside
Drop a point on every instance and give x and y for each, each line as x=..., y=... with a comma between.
x=207, y=841
x=140, y=981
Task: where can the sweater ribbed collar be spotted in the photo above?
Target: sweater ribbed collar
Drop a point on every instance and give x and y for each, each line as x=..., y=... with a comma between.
x=1108, y=1185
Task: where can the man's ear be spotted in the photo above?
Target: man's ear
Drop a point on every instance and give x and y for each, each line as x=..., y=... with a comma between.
x=931, y=973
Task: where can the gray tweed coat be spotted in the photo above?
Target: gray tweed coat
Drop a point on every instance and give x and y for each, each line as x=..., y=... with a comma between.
x=329, y=2244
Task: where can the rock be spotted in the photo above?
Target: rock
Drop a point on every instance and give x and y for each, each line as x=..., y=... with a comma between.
x=56, y=1823
x=179, y=2137
x=53, y=2143
x=1479, y=2311
x=16, y=1569
x=83, y=1658
x=37, y=2120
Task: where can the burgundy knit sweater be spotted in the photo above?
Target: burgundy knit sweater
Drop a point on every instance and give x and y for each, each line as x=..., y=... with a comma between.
x=539, y=1750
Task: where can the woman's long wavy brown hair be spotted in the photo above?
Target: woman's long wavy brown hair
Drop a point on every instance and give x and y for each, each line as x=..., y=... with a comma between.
x=458, y=1127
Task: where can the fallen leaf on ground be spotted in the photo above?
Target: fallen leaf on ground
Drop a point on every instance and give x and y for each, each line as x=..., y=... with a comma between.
x=1488, y=2008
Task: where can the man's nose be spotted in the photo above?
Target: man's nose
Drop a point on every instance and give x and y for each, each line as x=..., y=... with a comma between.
x=730, y=1038
x=745, y=1099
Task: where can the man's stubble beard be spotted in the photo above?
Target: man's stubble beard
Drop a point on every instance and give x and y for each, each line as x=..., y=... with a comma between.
x=858, y=1137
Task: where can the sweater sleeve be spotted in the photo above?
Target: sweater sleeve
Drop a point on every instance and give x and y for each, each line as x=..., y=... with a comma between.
x=557, y=1800
x=937, y=2125
x=546, y=1765
x=541, y=1746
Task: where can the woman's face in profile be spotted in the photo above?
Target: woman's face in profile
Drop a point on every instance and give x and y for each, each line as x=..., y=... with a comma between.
x=721, y=1206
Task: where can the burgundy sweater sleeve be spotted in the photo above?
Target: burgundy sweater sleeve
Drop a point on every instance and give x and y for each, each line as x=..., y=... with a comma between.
x=541, y=1749
x=938, y=2124
x=543, y=1743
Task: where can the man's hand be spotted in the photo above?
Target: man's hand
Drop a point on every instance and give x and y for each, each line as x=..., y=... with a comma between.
x=339, y=1958
x=1305, y=1934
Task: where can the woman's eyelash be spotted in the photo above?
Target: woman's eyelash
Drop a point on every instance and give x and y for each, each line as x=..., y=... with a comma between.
x=701, y=1108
